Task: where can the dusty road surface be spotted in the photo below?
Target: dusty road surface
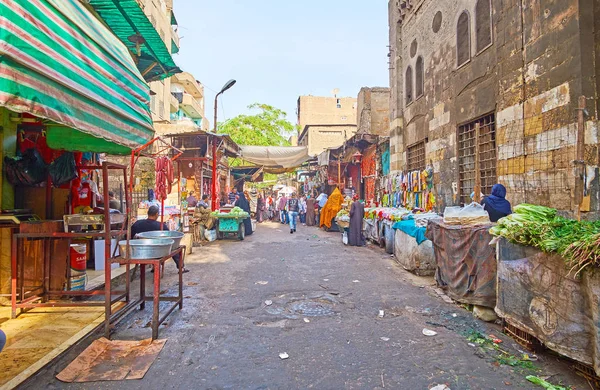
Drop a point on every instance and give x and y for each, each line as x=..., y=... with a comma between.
x=324, y=307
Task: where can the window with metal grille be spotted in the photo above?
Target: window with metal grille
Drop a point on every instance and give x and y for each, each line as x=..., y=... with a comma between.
x=467, y=147
x=415, y=156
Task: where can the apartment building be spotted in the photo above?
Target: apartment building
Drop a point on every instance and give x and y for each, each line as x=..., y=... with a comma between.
x=325, y=122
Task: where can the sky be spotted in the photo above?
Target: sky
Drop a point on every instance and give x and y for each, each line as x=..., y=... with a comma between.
x=278, y=50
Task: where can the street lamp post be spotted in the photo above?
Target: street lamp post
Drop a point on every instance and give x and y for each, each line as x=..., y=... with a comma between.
x=215, y=201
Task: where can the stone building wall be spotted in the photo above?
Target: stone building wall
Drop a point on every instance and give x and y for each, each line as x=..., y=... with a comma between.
x=374, y=111
x=528, y=80
x=322, y=110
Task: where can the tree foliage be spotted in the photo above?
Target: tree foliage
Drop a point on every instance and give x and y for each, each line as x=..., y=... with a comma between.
x=268, y=127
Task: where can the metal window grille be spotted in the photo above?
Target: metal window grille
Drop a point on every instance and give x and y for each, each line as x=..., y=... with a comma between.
x=487, y=156
x=416, y=157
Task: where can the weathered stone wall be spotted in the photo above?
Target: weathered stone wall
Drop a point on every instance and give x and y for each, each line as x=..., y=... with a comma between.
x=319, y=138
x=540, y=61
x=321, y=110
x=374, y=111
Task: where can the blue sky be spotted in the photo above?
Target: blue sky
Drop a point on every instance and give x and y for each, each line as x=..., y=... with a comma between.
x=278, y=50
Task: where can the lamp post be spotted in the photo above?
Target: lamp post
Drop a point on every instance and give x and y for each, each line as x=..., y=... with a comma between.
x=215, y=201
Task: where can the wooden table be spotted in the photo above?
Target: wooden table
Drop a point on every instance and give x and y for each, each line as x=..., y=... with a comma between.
x=156, y=297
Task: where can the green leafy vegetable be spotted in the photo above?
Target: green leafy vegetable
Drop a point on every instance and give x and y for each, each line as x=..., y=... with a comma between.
x=538, y=226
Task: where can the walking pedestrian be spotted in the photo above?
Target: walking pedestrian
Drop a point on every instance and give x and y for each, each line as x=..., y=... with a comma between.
x=303, y=211
x=310, y=211
x=260, y=209
x=357, y=213
x=283, y=217
x=293, y=207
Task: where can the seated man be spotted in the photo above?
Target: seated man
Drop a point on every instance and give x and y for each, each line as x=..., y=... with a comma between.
x=149, y=225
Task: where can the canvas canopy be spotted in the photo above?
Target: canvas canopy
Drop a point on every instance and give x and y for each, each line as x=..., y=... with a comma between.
x=58, y=62
x=275, y=159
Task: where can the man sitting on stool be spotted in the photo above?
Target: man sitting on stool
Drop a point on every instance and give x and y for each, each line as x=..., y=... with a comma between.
x=151, y=224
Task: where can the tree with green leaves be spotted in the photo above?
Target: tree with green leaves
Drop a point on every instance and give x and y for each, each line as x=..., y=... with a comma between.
x=268, y=127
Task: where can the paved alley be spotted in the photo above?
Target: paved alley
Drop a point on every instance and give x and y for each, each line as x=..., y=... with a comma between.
x=324, y=307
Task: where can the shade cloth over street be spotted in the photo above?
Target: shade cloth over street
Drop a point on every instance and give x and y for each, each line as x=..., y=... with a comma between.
x=275, y=159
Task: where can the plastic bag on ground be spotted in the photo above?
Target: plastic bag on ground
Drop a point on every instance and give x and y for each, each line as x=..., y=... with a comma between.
x=210, y=235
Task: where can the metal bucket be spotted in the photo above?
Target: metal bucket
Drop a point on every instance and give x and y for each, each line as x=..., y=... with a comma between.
x=167, y=234
x=146, y=248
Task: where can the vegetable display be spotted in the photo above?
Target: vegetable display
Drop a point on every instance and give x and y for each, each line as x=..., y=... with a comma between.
x=234, y=213
x=538, y=226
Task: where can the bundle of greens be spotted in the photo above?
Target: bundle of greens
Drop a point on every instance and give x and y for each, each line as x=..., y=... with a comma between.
x=538, y=226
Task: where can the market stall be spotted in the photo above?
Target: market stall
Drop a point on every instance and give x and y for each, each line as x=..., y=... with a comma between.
x=548, y=282
x=412, y=250
x=465, y=262
x=231, y=221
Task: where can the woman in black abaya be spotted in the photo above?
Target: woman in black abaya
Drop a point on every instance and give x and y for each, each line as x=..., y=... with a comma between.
x=242, y=203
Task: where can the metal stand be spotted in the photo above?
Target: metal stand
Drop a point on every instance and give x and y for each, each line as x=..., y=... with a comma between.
x=156, y=298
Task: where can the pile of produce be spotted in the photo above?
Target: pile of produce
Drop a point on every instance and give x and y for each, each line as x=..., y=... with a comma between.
x=538, y=226
x=234, y=213
x=343, y=215
x=389, y=213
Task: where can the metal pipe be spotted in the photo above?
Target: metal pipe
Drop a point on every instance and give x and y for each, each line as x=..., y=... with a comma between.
x=213, y=192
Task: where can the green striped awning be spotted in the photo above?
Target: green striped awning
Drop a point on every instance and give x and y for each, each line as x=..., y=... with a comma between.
x=58, y=62
x=128, y=21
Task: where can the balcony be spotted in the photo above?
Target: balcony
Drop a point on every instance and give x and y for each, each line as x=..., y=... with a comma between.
x=174, y=103
x=191, y=107
x=190, y=84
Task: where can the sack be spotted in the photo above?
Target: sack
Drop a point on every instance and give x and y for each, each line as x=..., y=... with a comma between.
x=210, y=235
x=63, y=169
x=27, y=170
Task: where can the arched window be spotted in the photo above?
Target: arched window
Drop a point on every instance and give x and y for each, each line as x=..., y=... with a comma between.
x=419, y=78
x=463, y=40
x=408, y=85
x=483, y=24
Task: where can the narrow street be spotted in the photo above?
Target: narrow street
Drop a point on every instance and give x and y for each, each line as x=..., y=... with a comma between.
x=324, y=314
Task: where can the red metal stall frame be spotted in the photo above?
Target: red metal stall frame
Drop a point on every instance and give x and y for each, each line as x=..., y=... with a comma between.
x=163, y=147
x=29, y=302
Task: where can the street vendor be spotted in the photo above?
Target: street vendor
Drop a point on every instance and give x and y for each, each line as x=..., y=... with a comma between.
x=151, y=224
x=202, y=219
x=496, y=204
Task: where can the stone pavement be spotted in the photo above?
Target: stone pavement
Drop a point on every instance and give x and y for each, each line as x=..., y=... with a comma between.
x=311, y=297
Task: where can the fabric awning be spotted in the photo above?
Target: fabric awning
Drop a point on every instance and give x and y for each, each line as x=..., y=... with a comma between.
x=58, y=62
x=275, y=159
x=129, y=22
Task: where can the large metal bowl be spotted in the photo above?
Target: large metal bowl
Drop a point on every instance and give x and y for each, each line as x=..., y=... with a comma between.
x=146, y=248
x=175, y=236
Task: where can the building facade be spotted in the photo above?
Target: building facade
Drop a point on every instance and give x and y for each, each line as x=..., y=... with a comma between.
x=489, y=92
x=186, y=106
x=325, y=122
x=373, y=111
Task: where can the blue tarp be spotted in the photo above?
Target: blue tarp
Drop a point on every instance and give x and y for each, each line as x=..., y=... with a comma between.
x=412, y=230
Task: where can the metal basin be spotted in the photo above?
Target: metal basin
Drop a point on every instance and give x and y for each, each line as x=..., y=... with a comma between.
x=175, y=236
x=147, y=248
